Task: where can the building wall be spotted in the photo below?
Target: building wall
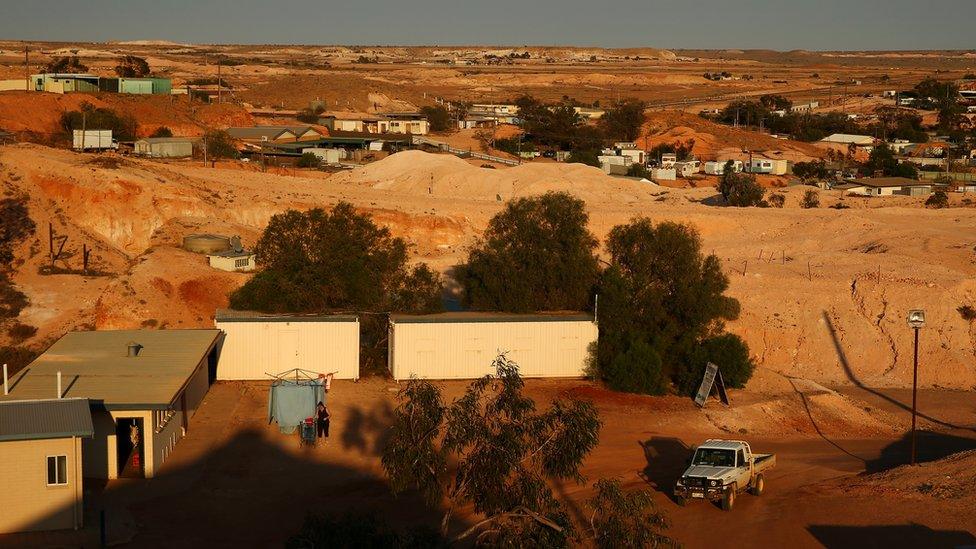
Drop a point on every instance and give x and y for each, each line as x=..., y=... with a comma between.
x=13, y=84
x=233, y=264
x=465, y=350
x=26, y=501
x=178, y=149
x=251, y=350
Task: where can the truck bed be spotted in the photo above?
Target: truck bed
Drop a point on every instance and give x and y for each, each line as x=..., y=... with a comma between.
x=762, y=462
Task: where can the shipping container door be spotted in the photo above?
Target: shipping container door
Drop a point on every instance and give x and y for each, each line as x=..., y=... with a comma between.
x=287, y=350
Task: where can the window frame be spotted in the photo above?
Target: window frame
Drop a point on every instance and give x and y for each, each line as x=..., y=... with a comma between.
x=47, y=463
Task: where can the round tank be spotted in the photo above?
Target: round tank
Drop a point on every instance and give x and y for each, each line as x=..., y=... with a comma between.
x=206, y=243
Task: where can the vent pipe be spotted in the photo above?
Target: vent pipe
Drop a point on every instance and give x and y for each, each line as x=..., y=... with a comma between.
x=132, y=349
x=59, y=383
x=6, y=390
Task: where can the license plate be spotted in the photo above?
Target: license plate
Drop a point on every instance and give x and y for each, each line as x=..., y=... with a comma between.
x=697, y=495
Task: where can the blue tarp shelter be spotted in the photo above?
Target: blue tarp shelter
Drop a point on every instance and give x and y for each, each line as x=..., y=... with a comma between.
x=293, y=397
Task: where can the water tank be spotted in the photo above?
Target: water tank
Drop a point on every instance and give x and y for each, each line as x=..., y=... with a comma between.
x=206, y=243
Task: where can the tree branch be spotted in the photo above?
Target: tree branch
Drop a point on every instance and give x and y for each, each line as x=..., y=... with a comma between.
x=519, y=512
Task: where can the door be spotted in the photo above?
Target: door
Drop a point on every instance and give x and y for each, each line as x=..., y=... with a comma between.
x=288, y=350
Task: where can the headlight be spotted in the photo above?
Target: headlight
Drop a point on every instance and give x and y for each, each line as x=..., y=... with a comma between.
x=713, y=483
x=681, y=482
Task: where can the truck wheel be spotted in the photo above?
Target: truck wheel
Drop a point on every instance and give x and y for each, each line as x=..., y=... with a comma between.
x=728, y=500
x=680, y=501
x=758, y=485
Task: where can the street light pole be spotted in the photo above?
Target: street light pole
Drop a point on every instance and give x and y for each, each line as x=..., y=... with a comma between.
x=916, y=319
x=914, y=393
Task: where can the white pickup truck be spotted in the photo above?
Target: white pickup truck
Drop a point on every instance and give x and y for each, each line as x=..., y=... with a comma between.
x=720, y=470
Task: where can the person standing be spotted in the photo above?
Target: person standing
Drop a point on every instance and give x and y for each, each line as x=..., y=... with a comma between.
x=322, y=415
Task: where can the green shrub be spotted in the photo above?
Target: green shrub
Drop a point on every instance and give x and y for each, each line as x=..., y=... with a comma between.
x=811, y=199
x=637, y=370
x=162, y=131
x=739, y=189
x=727, y=351
x=309, y=160
x=776, y=200
x=938, y=199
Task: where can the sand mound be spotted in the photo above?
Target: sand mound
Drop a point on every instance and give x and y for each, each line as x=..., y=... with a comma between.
x=949, y=478
x=439, y=175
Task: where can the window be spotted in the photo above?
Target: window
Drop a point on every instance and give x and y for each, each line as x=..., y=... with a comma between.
x=57, y=470
x=742, y=458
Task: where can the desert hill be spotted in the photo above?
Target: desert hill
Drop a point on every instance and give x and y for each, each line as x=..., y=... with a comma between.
x=824, y=292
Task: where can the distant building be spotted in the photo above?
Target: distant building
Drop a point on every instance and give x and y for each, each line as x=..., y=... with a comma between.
x=474, y=121
x=141, y=86
x=64, y=82
x=767, y=166
x=264, y=134
x=400, y=123
x=41, y=453
x=143, y=386
x=805, y=107
x=164, y=147
x=88, y=140
x=687, y=168
x=717, y=167
x=887, y=186
x=863, y=141
x=233, y=261
x=664, y=174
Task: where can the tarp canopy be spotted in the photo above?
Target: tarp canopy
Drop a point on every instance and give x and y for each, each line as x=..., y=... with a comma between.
x=290, y=402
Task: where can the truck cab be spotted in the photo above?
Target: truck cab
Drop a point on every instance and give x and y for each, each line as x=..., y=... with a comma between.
x=721, y=469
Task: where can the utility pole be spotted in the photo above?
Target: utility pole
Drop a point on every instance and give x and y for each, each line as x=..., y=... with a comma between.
x=27, y=85
x=916, y=320
x=84, y=127
x=219, y=84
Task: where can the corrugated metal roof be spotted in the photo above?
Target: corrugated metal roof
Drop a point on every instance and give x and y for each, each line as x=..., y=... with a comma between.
x=166, y=140
x=231, y=315
x=890, y=182
x=37, y=419
x=473, y=316
x=94, y=365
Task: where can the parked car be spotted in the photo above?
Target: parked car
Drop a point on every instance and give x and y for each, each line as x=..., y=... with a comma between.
x=720, y=470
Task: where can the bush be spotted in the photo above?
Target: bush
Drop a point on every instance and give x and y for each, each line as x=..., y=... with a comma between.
x=729, y=352
x=536, y=255
x=739, y=189
x=65, y=64
x=938, y=199
x=98, y=118
x=811, y=199
x=438, y=118
x=12, y=300
x=638, y=170
x=219, y=145
x=308, y=116
x=15, y=226
x=623, y=120
x=967, y=312
x=19, y=332
x=776, y=200
x=636, y=370
x=309, y=160
x=131, y=66
x=162, y=131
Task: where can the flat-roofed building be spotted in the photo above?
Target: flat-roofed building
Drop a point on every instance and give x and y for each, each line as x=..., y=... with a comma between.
x=41, y=480
x=143, y=387
x=164, y=147
x=258, y=344
x=462, y=345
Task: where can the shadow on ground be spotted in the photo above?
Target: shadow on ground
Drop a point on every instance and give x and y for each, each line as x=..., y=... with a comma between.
x=888, y=537
x=667, y=458
x=251, y=491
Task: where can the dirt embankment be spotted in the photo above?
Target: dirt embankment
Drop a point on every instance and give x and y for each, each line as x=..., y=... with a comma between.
x=824, y=292
x=40, y=113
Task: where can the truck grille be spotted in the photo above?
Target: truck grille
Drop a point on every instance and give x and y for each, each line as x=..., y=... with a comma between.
x=695, y=482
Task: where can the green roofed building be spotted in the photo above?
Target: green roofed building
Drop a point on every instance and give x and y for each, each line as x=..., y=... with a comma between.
x=143, y=386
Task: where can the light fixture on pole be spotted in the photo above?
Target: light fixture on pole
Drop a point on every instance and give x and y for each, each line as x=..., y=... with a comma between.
x=916, y=320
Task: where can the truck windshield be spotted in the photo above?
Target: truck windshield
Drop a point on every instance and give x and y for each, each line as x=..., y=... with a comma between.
x=714, y=457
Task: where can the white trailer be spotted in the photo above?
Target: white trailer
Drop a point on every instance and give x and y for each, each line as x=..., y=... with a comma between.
x=93, y=140
x=257, y=344
x=462, y=345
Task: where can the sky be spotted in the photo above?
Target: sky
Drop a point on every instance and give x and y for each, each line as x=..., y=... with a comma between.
x=679, y=24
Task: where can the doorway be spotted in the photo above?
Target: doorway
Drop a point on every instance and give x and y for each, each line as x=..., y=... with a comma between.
x=129, y=442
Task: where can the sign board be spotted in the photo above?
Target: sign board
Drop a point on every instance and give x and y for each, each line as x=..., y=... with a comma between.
x=711, y=380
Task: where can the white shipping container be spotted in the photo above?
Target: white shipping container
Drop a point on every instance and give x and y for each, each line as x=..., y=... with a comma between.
x=93, y=139
x=256, y=345
x=463, y=345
